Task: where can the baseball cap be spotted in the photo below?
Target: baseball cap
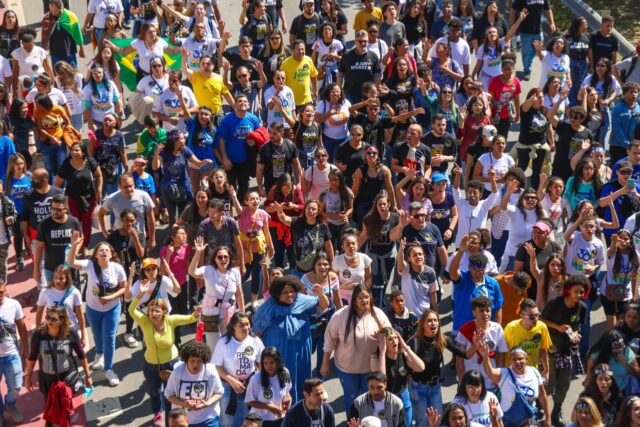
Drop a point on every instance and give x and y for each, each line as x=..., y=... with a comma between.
x=542, y=226
x=148, y=262
x=490, y=132
x=370, y=421
x=438, y=177
x=308, y=1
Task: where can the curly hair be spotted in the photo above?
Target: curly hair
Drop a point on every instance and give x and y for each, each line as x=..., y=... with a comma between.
x=278, y=285
x=195, y=349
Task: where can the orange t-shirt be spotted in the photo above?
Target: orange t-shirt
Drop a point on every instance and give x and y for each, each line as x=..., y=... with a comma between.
x=51, y=121
x=511, y=305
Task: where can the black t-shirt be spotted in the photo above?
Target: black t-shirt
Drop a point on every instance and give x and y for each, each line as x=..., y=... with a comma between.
x=383, y=245
x=224, y=196
x=441, y=213
x=300, y=416
x=444, y=145
x=123, y=245
x=272, y=9
x=602, y=47
x=276, y=161
x=306, y=138
x=481, y=24
x=532, y=24
x=272, y=62
x=533, y=127
x=432, y=357
x=8, y=43
x=236, y=62
x=398, y=372
x=414, y=28
x=257, y=28
x=401, y=153
x=557, y=312
x=79, y=182
x=307, y=238
x=56, y=237
x=61, y=43
x=542, y=255
x=107, y=154
x=399, y=89
x=306, y=29
x=568, y=144
x=36, y=207
x=357, y=70
x=352, y=157
x=578, y=46
x=373, y=131
x=148, y=11
x=429, y=238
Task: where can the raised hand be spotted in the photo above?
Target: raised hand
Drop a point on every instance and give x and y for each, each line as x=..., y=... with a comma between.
x=433, y=416
x=200, y=244
x=76, y=238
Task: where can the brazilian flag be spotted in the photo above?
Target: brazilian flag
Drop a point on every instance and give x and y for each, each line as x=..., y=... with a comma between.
x=129, y=63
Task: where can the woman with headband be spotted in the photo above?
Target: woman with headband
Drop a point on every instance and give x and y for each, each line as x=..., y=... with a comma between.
x=605, y=392
x=520, y=379
x=586, y=414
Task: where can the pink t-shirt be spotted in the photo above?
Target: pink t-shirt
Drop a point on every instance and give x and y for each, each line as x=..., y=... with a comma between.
x=251, y=226
x=178, y=262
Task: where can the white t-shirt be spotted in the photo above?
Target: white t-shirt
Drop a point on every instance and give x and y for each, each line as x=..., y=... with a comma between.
x=288, y=103
x=101, y=8
x=238, y=359
x=630, y=224
x=220, y=286
x=335, y=47
x=166, y=289
x=520, y=228
x=580, y=253
x=10, y=311
x=112, y=276
x=31, y=63
x=460, y=51
x=528, y=383
x=416, y=293
x=197, y=49
x=554, y=210
x=56, y=95
x=153, y=87
x=169, y=105
x=72, y=98
x=107, y=73
x=102, y=103
x=5, y=70
x=272, y=395
x=145, y=54
x=500, y=166
x=196, y=388
x=623, y=277
x=472, y=217
x=51, y=296
x=599, y=87
x=494, y=337
x=479, y=412
x=319, y=179
x=380, y=48
x=348, y=274
x=553, y=66
x=336, y=125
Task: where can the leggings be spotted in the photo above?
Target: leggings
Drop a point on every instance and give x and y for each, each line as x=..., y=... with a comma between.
x=18, y=236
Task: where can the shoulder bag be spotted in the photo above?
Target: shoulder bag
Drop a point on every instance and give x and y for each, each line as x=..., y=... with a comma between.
x=212, y=323
x=73, y=379
x=164, y=374
x=521, y=408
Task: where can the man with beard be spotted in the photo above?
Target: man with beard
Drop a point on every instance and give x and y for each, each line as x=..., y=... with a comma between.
x=378, y=402
x=37, y=208
x=54, y=235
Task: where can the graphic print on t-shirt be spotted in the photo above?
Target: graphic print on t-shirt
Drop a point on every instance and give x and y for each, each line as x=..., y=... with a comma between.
x=245, y=362
x=193, y=391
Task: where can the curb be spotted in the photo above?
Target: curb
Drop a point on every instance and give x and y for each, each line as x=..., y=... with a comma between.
x=580, y=8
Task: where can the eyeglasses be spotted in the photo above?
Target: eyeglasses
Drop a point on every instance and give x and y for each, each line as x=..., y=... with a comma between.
x=321, y=156
x=222, y=257
x=530, y=198
x=420, y=216
x=447, y=92
x=355, y=134
x=535, y=316
x=624, y=171
x=58, y=209
x=52, y=319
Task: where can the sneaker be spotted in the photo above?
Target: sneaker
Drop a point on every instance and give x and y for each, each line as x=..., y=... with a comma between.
x=130, y=340
x=20, y=264
x=112, y=378
x=98, y=363
x=526, y=77
x=12, y=413
x=126, y=26
x=158, y=420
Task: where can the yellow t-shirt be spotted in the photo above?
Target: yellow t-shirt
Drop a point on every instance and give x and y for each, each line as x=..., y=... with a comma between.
x=531, y=341
x=209, y=91
x=299, y=75
x=363, y=16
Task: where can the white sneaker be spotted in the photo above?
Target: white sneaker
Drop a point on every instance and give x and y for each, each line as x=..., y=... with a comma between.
x=130, y=340
x=113, y=378
x=98, y=362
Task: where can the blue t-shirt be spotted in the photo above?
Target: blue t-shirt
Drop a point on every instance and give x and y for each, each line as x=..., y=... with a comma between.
x=175, y=168
x=465, y=289
x=19, y=189
x=145, y=184
x=203, y=143
x=234, y=130
x=635, y=174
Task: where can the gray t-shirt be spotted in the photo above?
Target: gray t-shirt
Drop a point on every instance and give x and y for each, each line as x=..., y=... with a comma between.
x=140, y=202
x=223, y=237
x=392, y=32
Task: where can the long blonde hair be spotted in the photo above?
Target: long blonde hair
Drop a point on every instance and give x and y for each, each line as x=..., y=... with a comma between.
x=65, y=323
x=440, y=341
x=593, y=409
x=67, y=76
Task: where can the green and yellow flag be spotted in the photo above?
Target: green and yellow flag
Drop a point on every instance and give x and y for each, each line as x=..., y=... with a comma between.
x=129, y=63
x=68, y=21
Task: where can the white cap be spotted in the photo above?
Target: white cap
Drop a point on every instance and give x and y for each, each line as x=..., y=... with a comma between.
x=489, y=132
x=371, y=421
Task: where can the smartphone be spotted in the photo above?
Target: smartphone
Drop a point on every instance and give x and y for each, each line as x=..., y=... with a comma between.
x=572, y=335
x=631, y=183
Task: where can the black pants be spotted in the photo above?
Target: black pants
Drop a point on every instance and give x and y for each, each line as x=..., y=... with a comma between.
x=616, y=153
x=503, y=127
x=280, y=250
x=536, y=165
x=238, y=176
x=18, y=236
x=46, y=382
x=179, y=305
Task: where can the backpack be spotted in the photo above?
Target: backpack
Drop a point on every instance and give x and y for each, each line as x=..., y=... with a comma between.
x=624, y=74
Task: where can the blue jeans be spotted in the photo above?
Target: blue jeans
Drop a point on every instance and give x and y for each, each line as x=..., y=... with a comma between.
x=77, y=120
x=528, y=51
x=54, y=155
x=578, y=73
x=11, y=369
x=499, y=245
x=71, y=59
x=151, y=373
x=211, y=422
x=241, y=409
x=330, y=144
x=255, y=269
x=406, y=402
x=424, y=396
x=606, y=126
x=379, y=282
x=353, y=385
x=104, y=326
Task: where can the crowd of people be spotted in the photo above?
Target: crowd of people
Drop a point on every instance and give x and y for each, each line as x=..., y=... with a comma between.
x=386, y=171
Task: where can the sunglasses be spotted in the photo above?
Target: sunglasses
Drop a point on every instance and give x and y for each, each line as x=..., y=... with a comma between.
x=321, y=156
x=533, y=316
x=222, y=257
x=577, y=117
x=52, y=319
x=419, y=216
x=356, y=134
x=243, y=75
x=624, y=171
x=151, y=268
x=58, y=209
x=530, y=198
x=373, y=31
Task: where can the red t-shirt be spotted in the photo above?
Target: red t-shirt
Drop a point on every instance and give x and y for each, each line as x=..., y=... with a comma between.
x=502, y=94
